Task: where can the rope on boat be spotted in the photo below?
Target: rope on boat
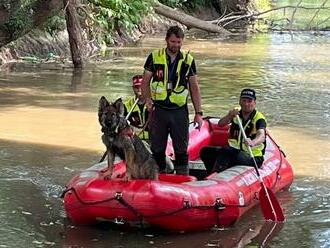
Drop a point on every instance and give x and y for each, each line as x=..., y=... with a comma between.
x=218, y=206
x=281, y=160
x=86, y=202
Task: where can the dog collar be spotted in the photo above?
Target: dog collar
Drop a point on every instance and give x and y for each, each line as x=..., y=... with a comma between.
x=127, y=131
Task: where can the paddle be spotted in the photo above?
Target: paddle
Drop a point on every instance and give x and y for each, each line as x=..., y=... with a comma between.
x=126, y=118
x=270, y=206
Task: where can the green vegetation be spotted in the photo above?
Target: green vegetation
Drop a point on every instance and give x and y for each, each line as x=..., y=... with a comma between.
x=19, y=16
x=55, y=24
x=102, y=19
x=105, y=17
x=189, y=5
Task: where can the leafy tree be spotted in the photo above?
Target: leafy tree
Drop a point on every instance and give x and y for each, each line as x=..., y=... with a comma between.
x=104, y=18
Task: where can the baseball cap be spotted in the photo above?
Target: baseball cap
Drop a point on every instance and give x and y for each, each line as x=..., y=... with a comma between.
x=137, y=80
x=248, y=93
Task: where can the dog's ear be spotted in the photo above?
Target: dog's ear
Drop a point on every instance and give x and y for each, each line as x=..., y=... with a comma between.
x=119, y=105
x=103, y=104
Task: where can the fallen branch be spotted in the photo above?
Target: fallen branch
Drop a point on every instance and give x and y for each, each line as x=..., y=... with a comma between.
x=239, y=18
x=266, y=11
x=234, y=16
x=188, y=20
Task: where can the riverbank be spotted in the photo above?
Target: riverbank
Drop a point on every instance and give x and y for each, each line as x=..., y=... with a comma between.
x=40, y=47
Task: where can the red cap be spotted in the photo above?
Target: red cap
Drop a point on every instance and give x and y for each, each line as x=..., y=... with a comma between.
x=137, y=80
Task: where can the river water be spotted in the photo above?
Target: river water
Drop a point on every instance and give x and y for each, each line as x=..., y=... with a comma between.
x=49, y=132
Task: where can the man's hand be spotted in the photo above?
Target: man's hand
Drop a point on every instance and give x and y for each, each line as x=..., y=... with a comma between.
x=232, y=113
x=260, y=138
x=228, y=118
x=198, y=120
x=149, y=104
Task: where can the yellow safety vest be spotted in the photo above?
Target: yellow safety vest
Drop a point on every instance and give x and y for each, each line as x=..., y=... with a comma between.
x=159, y=85
x=236, y=138
x=140, y=114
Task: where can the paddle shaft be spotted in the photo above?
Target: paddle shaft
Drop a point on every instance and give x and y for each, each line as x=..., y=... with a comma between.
x=256, y=167
x=131, y=110
x=249, y=148
x=126, y=118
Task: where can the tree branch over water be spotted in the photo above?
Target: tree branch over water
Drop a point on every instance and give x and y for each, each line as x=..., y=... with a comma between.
x=293, y=14
x=316, y=13
x=236, y=16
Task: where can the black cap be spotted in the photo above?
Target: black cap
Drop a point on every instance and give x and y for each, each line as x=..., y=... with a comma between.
x=248, y=93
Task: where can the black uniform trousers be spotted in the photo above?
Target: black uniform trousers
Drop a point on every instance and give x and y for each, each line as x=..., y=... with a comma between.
x=173, y=122
x=217, y=159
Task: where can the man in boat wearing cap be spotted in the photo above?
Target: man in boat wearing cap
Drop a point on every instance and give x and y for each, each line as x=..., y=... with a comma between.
x=139, y=117
x=217, y=159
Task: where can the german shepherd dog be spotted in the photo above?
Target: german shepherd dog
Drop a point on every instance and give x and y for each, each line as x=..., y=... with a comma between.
x=119, y=139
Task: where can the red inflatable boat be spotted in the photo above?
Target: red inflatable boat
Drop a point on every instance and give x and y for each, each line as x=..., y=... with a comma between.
x=176, y=202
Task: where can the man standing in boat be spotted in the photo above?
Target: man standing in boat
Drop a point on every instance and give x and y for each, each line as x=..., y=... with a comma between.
x=168, y=77
x=217, y=159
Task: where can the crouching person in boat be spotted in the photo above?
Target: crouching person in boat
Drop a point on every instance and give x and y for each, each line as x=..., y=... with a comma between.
x=139, y=117
x=217, y=159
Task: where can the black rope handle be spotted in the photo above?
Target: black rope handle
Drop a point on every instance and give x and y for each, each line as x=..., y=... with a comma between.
x=281, y=159
x=218, y=206
x=86, y=202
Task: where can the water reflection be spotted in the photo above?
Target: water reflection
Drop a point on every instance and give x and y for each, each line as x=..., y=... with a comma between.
x=249, y=234
x=76, y=79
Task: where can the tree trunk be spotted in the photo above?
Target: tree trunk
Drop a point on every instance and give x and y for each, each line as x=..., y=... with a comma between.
x=188, y=20
x=74, y=31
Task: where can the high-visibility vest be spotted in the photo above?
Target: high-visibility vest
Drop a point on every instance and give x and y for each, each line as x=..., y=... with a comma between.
x=236, y=138
x=160, y=90
x=137, y=117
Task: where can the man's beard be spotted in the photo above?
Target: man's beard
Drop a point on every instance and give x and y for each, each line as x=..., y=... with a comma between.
x=174, y=49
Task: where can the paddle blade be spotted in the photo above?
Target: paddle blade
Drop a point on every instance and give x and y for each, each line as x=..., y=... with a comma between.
x=270, y=207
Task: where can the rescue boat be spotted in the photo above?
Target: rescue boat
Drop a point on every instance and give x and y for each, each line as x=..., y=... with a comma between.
x=177, y=202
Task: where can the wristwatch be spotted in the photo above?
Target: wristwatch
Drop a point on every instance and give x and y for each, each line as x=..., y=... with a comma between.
x=199, y=113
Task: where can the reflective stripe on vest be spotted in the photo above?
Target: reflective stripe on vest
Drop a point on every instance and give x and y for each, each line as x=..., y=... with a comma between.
x=129, y=104
x=179, y=94
x=239, y=142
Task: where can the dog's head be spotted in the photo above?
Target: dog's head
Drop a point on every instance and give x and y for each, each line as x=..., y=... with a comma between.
x=111, y=115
